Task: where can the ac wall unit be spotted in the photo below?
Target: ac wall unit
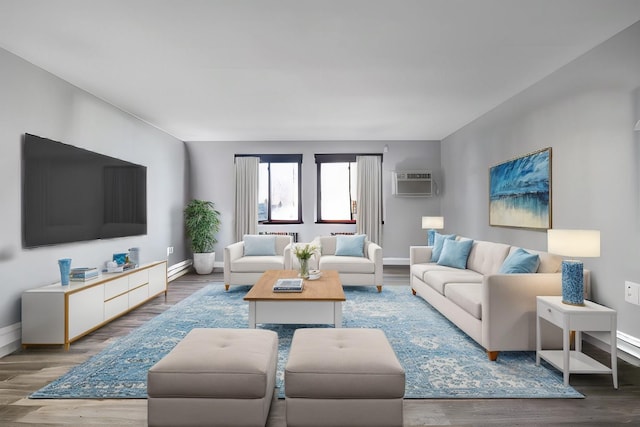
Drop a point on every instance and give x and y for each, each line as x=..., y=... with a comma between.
x=413, y=183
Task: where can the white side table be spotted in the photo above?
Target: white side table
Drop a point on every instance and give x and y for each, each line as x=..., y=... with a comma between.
x=590, y=317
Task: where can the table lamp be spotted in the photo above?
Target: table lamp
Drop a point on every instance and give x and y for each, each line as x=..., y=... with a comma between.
x=432, y=223
x=573, y=243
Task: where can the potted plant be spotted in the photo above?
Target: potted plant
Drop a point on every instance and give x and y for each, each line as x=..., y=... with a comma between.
x=202, y=222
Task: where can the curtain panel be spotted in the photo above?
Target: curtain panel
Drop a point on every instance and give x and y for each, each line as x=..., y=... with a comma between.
x=246, y=206
x=369, y=196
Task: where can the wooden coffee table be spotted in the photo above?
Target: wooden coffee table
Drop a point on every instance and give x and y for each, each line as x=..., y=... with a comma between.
x=320, y=302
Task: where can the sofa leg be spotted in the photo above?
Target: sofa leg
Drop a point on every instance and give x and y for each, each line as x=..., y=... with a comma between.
x=226, y=287
x=379, y=288
x=493, y=355
x=413, y=291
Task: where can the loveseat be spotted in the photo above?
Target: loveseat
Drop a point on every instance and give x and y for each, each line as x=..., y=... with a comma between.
x=497, y=310
x=357, y=260
x=247, y=260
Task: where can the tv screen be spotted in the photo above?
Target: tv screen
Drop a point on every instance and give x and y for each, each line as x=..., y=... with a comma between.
x=70, y=194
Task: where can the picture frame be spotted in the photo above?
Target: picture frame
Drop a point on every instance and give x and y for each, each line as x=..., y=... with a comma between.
x=520, y=192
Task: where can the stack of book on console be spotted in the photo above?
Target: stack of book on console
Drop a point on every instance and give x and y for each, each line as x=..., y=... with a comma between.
x=288, y=285
x=81, y=274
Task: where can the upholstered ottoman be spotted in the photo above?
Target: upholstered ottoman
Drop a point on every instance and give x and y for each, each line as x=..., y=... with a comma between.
x=343, y=377
x=215, y=377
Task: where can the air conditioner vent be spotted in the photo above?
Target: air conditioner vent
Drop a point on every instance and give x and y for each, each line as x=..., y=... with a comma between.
x=412, y=184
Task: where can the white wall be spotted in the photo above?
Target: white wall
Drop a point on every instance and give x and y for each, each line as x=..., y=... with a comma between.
x=585, y=112
x=34, y=101
x=213, y=179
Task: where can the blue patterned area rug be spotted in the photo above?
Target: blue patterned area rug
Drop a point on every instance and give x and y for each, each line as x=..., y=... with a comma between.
x=440, y=361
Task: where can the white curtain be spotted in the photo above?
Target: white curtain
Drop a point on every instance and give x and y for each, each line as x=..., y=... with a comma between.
x=369, y=196
x=246, y=214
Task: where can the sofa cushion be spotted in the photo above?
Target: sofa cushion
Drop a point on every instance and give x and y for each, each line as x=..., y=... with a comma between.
x=350, y=245
x=347, y=264
x=455, y=253
x=257, y=245
x=520, y=261
x=487, y=257
x=549, y=263
x=418, y=270
x=438, y=279
x=467, y=296
x=257, y=264
x=327, y=244
x=438, y=242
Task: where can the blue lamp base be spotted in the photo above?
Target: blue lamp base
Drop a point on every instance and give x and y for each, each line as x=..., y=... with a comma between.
x=572, y=283
x=431, y=237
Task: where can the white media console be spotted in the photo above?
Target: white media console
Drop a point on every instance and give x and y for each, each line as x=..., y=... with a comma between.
x=57, y=314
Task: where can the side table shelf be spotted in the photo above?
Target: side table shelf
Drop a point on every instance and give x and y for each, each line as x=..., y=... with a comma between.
x=579, y=363
x=590, y=317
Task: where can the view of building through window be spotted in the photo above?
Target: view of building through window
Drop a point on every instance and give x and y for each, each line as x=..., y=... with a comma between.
x=278, y=192
x=338, y=189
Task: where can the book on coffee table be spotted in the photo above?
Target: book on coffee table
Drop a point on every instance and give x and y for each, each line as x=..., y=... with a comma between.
x=288, y=285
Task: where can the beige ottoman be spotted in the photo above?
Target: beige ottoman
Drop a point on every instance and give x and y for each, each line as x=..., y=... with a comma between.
x=343, y=377
x=215, y=377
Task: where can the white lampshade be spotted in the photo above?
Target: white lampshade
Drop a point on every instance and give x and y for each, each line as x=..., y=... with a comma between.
x=574, y=243
x=433, y=222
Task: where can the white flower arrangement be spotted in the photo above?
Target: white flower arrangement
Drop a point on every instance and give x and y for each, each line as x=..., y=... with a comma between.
x=306, y=251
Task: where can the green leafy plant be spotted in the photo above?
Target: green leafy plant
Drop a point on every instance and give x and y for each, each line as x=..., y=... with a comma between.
x=202, y=222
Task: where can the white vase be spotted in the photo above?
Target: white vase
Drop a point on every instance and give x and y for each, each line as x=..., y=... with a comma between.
x=203, y=262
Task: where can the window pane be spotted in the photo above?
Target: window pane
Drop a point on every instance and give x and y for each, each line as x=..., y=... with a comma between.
x=284, y=191
x=263, y=191
x=335, y=203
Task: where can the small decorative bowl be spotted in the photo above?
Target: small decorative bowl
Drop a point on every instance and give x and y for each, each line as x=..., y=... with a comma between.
x=314, y=274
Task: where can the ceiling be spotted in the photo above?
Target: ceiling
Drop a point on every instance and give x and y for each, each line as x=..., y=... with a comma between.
x=260, y=70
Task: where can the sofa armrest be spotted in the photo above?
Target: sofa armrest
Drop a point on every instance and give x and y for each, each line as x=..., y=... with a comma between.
x=419, y=254
x=374, y=253
x=314, y=261
x=231, y=253
x=287, y=254
x=509, y=308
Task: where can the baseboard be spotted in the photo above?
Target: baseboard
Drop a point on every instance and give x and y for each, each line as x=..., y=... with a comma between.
x=628, y=346
x=180, y=269
x=395, y=261
x=10, y=338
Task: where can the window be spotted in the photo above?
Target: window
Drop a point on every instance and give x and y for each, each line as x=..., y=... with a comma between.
x=279, y=189
x=337, y=187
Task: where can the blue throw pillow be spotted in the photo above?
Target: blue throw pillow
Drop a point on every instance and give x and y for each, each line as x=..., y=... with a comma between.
x=257, y=245
x=438, y=241
x=455, y=253
x=350, y=245
x=520, y=261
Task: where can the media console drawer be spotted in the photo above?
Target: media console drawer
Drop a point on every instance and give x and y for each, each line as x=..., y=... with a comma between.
x=138, y=278
x=116, y=306
x=116, y=287
x=56, y=314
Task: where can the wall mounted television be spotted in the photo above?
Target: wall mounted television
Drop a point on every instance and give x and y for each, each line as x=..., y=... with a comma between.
x=70, y=194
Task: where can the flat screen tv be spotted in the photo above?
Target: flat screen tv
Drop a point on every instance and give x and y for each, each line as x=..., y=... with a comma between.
x=70, y=194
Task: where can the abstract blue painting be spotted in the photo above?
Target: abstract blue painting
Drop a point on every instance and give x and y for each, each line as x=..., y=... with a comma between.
x=520, y=191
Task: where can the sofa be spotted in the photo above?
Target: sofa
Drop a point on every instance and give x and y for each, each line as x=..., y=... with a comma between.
x=496, y=309
x=247, y=260
x=357, y=260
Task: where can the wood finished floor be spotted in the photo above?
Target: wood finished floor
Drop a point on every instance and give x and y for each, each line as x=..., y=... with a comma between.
x=26, y=371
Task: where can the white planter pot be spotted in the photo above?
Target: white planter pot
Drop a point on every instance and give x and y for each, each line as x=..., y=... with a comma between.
x=203, y=262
